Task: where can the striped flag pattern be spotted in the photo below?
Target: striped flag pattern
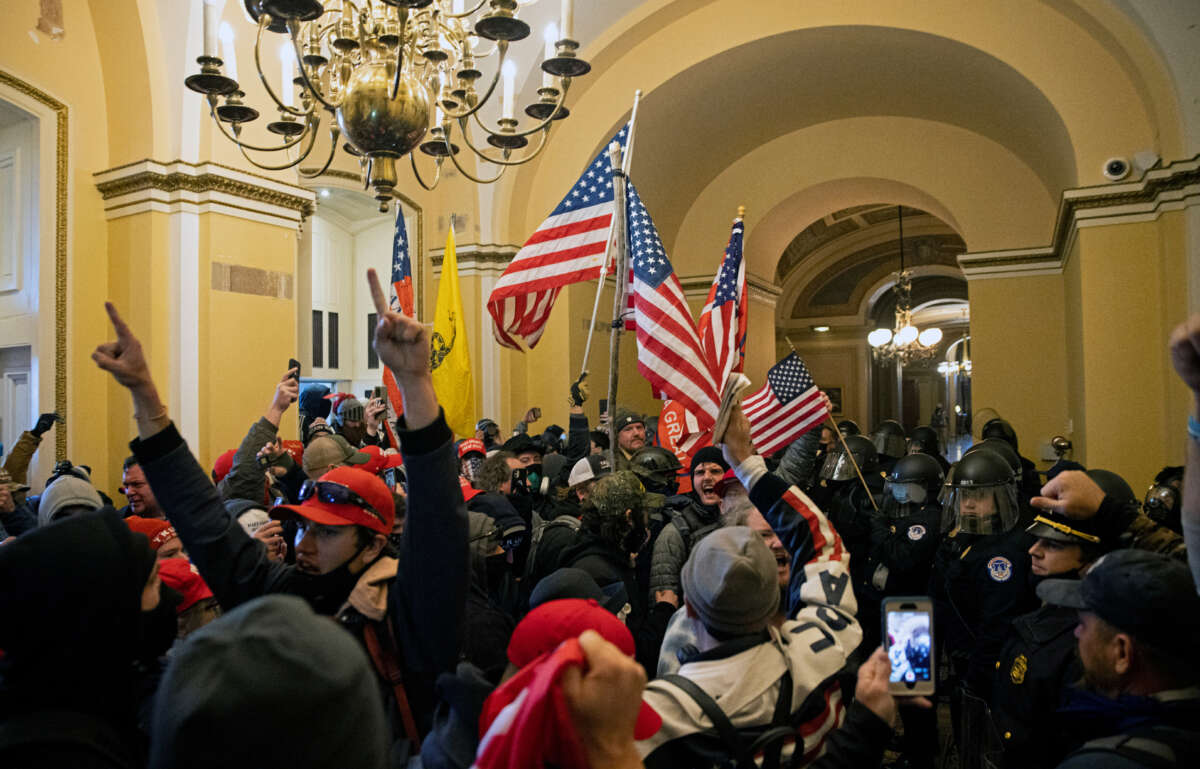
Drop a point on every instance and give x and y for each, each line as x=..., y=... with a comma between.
x=568, y=247
x=784, y=408
x=723, y=320
x=670, y=356
x=401, y=301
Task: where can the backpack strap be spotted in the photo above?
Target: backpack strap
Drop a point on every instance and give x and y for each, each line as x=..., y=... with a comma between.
x=387, y=667
x=684, y=527
x=770, y=742
x=725, y=729
x=1158, y=747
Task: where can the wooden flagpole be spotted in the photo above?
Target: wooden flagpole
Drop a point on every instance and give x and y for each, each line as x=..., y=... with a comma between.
x=621, y=241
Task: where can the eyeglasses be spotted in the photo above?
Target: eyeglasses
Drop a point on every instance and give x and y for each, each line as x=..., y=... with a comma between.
x=335, y=494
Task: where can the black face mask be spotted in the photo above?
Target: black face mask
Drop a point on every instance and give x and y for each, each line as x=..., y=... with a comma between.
x=327, y=592
x=498, y=571
x=159, y=626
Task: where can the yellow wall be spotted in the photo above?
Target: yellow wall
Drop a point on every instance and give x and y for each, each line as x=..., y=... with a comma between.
x=1017, y=351
x=245, y=339
x=1131, y=286
x=839, y=362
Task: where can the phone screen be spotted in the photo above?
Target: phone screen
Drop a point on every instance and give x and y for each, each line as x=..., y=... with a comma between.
x=909, y=646
x=604, y=405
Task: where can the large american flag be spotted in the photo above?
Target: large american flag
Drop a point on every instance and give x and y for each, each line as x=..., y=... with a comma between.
x=723, y=320
x=786, y=407
x=567, y=248
x=670, y=356
x=401, y=301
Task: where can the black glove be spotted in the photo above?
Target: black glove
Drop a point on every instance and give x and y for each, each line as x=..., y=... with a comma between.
x=579, y=390
x=45, y=422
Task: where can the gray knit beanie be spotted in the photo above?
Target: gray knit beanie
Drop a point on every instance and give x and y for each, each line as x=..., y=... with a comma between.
x=65, y=491
x=731, y=580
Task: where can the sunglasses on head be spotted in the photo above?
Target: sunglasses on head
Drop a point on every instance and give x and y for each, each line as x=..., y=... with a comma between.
x=335, y=494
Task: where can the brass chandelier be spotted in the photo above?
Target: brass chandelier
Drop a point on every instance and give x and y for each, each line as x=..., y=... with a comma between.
x=905, y=343
x=395, y=75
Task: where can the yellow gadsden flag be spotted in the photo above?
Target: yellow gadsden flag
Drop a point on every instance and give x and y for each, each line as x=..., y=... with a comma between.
x=449, y=354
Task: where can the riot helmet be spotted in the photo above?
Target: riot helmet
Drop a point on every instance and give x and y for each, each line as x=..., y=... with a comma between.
x=889, y=439
x=848, y=427
x=838, y=467
x=913, y=481
x=983, y=494
x=657, y=468
x=1000, y=428
x=924, y=440
x=1002, y=448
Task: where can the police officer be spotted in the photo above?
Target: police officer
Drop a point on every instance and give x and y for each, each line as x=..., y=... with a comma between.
x=1038, y=660
x=841, y=495
x=890, y=443
x=1005, y=450
x=924, y=440
x=903, y=539
x=980, y=578
x=848, y=427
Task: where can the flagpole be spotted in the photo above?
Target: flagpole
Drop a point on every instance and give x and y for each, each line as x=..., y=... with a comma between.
x=845, y=448
x=587, y=348
x=622, y=245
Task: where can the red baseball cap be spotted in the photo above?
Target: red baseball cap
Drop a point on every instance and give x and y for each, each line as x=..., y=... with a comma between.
x=468, y=445
x=223, y=465
x=370, y=488
x=158, y=531
x=182, y=577
x=553, y=622
x=377, y=460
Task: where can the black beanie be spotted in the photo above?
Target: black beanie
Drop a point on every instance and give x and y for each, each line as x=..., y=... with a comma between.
x=708, y=454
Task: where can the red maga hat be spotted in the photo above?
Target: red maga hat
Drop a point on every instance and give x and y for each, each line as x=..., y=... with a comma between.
x=344, y=496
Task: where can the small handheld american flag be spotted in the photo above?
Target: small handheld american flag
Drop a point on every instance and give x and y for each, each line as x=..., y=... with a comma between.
x=786, y=407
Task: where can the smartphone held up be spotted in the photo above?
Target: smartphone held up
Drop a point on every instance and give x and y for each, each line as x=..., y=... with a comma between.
x=908, y=640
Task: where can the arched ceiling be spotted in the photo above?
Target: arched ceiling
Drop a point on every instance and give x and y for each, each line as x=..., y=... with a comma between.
x=841, y=265
x=747, y=96
x=1032, y=84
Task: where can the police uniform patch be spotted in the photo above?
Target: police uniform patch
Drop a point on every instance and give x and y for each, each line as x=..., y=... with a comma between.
x=1000, y=569
x=916, y=532
x=1020, y=666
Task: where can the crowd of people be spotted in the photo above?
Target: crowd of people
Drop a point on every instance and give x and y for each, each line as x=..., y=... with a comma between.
x=383, y=595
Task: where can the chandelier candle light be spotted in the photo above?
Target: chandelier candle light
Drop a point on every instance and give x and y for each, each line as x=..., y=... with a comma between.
x=394, y=76
x=905, y=343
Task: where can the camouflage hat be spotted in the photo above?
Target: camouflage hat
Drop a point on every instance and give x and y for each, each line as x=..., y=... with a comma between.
x=627, y=417
x=614, y=494
x=7, y=481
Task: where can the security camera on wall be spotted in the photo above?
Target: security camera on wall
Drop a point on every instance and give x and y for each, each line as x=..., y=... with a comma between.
x=1116, y=169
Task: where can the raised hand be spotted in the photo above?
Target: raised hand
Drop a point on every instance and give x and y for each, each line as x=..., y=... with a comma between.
x=286, y=393
x=604, y=702
x=45, y=422
x=401, y=342
x=123, y=358
x=1072, y=493
x=737, y=445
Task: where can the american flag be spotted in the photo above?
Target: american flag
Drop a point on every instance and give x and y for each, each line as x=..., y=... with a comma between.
x=567, y=248
x=723, y=320
x=401, y=301
x=669, y=353
x=786, y=407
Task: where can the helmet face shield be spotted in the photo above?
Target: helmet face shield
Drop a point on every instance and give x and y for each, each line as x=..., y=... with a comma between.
x=837, y=466
x=990, y=509
x=905, y=492
x=889, y=444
